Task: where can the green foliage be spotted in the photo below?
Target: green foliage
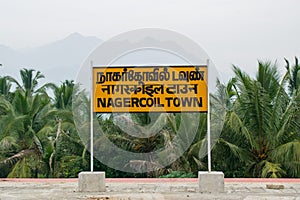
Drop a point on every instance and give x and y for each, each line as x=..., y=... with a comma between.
x=29, y=143
x=260, y=137
x=178, y=174
x=5, y=87
x=261, y=134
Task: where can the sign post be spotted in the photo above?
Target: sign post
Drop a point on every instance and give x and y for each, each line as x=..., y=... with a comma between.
x=92, y=120
x=174, y=89
x=91, y=181
x=208, y=124
x=210, y=181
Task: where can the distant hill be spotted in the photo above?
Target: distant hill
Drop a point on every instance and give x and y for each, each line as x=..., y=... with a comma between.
x=61, y=60
x=58, y=61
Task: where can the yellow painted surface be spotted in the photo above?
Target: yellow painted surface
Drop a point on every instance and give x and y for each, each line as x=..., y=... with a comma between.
x=150, y=89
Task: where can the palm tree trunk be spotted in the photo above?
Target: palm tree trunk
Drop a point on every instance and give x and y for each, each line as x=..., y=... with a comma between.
x=58, y=132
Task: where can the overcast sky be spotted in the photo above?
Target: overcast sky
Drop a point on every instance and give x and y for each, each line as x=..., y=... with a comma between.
x=231, y=31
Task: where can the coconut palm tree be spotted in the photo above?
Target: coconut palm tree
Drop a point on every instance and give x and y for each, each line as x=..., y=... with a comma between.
x=25, y=125
x=263, y=123
x=29, y=82
x=63, y=95
x=294, y=76
x=23, y=133
x=67, y=155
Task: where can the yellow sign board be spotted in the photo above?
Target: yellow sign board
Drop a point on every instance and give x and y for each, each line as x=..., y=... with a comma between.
x=150, y=89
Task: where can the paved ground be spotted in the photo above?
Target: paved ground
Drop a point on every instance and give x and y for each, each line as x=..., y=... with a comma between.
x=138, y=189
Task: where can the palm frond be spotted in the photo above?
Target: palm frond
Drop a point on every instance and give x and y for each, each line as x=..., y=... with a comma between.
x=8, y=142
x=38, y=145
x=240, y=128
x=272, y=170
x=17, y=157
x=199, y=149
x=287, y=152
x=5, y=86
x=241, y=154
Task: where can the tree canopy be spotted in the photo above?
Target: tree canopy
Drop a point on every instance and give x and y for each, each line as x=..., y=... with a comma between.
x=260, y=137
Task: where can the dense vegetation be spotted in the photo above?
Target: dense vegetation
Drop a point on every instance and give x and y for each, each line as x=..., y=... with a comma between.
x=260, y=137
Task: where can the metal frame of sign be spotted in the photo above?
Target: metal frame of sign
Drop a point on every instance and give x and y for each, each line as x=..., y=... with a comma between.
x=148, y=90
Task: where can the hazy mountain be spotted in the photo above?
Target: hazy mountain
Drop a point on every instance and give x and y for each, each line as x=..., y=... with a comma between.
x=8, y=55
x=58, y=61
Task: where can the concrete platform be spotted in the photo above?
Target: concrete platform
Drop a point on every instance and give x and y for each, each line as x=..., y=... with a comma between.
x=138, y=189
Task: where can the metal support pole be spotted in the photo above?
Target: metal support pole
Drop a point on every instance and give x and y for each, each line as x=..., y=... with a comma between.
x=208, y=121
x=92, y=119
